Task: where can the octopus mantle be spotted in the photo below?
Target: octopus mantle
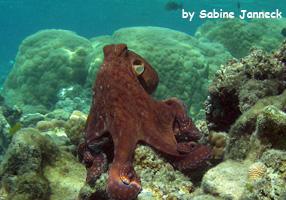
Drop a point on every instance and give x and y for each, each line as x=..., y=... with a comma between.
x=123, y=113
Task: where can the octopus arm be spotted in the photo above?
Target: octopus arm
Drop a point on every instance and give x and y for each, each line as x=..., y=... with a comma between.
x=94, y=128
x=123, y=182
x=183, y=126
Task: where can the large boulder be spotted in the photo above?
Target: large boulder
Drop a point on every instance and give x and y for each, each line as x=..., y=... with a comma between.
x=47, y=61
x=37, y=166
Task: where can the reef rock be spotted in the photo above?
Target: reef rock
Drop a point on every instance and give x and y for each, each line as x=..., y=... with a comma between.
x=248, y=102
x=238, y=85
x=219, y=142
x=240, y=36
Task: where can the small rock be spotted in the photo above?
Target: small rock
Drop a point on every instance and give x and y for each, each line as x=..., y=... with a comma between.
x=226, y=180
x=31, y=119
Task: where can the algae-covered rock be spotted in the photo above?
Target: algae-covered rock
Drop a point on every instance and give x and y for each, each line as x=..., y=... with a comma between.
x=30, y=186
x=253, y=90
x=183, y=63
x=249, y=128
x=21, y=169
x=46, y=62
x=199, y=194
x=12, y=114
x=40, y=165
x=59, y=114
x=240, y=36
x=158, y=177
x=31, y=119
x=276, y=160
x=66, y=176
x=226, y=180
x=246, y=123
x=271, y=126
x=248, y=101
x=55, y=118
x=206, y=197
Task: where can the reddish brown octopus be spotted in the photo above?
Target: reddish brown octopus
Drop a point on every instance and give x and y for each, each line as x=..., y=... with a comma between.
x=123, y=113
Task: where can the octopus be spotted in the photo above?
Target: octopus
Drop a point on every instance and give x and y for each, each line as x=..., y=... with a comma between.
x=123, y=114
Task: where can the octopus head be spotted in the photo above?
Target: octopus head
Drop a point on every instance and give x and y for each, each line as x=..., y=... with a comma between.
x=145, y=73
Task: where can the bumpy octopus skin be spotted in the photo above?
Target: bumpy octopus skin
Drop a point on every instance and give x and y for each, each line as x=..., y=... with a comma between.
x=123, y=113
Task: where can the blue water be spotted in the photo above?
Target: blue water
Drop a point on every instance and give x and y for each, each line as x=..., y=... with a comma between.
x=89, y=18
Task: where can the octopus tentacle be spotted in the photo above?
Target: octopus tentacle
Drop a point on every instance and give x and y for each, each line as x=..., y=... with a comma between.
x=123, y=183
x=81, y=150
x=196, y=158
x=98, y=144
x=186, y=147
x=187, y=130
x=94, y=127
x=99, y=166
x=95, y=162
x=184, y=128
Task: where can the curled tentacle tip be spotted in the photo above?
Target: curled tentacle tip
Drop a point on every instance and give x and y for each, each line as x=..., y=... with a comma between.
x=118, y=190
x=123, y=183
x=125, y=180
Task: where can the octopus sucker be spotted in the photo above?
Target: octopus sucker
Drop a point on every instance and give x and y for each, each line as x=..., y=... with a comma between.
x=123, y=113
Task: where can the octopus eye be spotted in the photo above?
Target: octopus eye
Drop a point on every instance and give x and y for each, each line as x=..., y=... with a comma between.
x=138, y=67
